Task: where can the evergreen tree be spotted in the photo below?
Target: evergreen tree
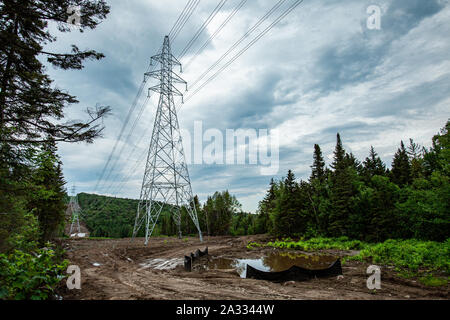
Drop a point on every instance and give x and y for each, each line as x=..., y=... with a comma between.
x=339, y=155
x=318, y=167
x=316, y=192
x=287, y=209
x=31, y=110
x=401, y=168
x=415, y=153
x=354, y=163
x=373, y=165
x=342, y=190
x=265, y=208
x=31, y=107
x=414, y=150
x=360, y=201
x=47, y=200
x=381, y=211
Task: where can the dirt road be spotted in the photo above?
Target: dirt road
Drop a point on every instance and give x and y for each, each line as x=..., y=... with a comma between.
x=120, y=269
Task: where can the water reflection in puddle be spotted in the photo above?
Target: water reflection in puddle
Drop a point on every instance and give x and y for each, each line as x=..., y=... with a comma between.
x=274, y=262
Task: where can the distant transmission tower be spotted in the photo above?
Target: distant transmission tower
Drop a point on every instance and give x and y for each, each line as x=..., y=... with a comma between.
x=75, y=209
x=166, y=184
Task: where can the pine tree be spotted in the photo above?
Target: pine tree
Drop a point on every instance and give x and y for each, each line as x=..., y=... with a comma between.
x=316, y=192
x=47, y=201
x=342, y=190
x=265, y=208
x=373, y=165
x=318, y=167
x=415, y=153
x=287, y=209
x=401, y=167
x=31, y=109
x=339, y=155
x=354, y=163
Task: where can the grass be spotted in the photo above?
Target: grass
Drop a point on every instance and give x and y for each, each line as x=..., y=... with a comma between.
x=433, y=281
x=411, y=258
x=342, y=243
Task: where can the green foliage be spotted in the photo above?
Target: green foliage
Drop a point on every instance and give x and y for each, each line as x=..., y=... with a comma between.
x=108, y=217
x=342, y=243
x=401, y=167
x=287, y=210
x=220, y=210
x=432, y=281
x=373, y=166
x=47, y=199
x=409, y=254
x=32, y=121
x=31, y=108
x=265, y=207
x=242, y=224
x=27, y=271
x=30, y=275
x=318, y=167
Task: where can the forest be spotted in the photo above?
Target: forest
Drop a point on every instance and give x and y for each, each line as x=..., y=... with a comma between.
x=365, y=200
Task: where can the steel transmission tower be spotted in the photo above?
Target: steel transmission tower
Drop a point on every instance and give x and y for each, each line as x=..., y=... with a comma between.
x=166, y=184
x=75, y=209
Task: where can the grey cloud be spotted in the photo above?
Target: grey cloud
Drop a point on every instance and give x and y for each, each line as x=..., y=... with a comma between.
x=354, y=61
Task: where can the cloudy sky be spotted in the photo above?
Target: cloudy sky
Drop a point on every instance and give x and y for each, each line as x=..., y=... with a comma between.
x=318, y=72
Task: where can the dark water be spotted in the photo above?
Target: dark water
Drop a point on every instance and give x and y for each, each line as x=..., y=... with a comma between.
x=274, y=262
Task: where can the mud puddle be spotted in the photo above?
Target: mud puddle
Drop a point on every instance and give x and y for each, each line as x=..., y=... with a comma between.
x=274, y=262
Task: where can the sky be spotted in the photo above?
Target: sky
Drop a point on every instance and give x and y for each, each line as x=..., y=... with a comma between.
x=318, y=72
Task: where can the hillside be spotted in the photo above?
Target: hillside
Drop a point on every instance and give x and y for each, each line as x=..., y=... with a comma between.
x=114, y=217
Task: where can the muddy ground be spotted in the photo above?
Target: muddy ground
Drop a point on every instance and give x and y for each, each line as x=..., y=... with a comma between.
x=122, y=275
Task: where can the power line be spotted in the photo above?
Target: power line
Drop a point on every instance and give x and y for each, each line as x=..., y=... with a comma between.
x=130, y=111
x=127, y=140
x=242, y=51
x=238, y=42
x=119, y=187
x=179, y=17
x=185, y=19
x=202, y=28
x=219, y=29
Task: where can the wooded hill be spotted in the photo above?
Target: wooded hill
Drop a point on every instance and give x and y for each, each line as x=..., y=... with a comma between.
x=115, y=217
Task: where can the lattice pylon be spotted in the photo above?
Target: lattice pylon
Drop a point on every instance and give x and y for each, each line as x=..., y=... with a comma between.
x=75, y=215
x=166, y=182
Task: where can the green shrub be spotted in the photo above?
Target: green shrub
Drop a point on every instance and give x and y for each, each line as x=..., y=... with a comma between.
x=30, y=276
x=410, y=254
x=342, y=243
